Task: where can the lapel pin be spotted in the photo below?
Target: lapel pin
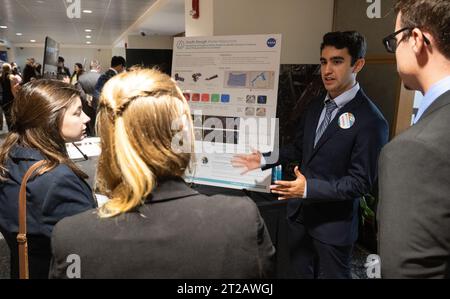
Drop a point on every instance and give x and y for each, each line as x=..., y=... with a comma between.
x=346, y=120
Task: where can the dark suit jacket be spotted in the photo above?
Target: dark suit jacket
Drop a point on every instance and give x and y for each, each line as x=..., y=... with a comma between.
x=86, y=84
x=414, y=208
x=88, y=81
x=177, y=233
x=50, y=197
x=100, y=83
x=339, y=170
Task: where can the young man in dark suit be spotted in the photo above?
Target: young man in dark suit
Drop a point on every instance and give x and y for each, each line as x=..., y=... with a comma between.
x=338, y=143
x=414, y=208
x=118, y=65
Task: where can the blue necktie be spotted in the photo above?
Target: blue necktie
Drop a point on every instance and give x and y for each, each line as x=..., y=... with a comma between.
x=330, y=106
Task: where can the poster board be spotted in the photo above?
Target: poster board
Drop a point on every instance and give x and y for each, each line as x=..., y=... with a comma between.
x=231, y=85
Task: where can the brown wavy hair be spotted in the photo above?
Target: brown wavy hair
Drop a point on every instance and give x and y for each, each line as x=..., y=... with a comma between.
x=37, y=115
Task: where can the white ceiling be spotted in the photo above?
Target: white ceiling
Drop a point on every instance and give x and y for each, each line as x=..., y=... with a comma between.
x=109, y=20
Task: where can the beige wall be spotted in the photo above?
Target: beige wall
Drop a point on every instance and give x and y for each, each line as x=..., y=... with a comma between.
x=204, y=25
x=302, y=24
x=150, y=42
x=352, y=15
x=119, y=52
x=379, y=78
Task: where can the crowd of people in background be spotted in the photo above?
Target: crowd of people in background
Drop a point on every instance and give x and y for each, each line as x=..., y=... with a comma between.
x=89, y=83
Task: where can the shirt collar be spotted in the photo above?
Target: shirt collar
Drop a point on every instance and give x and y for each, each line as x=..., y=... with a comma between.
x=170, y=189
x=438, y=89
x=346, y=97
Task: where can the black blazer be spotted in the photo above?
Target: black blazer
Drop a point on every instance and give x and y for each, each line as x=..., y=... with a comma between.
x=339, y=170
x=100, y=83
x=50, y=197
x=177, y=233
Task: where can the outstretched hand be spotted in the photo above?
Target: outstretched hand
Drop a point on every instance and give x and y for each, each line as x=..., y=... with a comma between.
x=247, y=162
x=290, y=189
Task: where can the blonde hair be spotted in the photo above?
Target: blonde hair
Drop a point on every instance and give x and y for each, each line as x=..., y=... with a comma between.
x=141, y=113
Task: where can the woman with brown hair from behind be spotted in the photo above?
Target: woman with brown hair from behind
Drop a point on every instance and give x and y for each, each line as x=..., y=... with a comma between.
x=45, y=115
x=155, y=225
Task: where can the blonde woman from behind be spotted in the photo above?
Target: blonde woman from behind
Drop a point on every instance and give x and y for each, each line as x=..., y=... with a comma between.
x=155, y=225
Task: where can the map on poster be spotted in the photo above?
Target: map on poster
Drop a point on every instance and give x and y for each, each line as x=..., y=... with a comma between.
x=231, y=85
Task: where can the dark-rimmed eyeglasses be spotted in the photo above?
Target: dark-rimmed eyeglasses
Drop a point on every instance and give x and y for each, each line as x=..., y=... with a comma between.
x=391, y=44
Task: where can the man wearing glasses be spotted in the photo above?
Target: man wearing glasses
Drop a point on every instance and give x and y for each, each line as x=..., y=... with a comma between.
x=414, y=208
x=338, y=143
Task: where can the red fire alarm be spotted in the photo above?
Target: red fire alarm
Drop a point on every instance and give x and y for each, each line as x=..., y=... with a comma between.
x=195, y=12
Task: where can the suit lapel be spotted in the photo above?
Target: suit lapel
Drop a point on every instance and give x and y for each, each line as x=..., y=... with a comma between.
x=333, y=127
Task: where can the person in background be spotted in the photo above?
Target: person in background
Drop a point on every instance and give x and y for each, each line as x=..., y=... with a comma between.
x=15, y=72
x=414, y=206
x=62, y=72
x=8, y=82
x=29, y=71
x=118, y=64
x=38, y=70
x=46, y=114
x=155, y=225
x=78, y=71
x=15, y=67
x=86, y=84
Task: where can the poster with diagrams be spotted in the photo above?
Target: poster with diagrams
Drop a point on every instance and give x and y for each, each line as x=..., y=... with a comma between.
x=231, y=85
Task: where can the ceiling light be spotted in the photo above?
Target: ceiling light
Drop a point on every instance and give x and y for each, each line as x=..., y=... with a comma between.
x=88, y=30
x=32, y=40
x=19, y=34
x=88, y=42
x=88, y=36
x=87, y=11
x=4, y=27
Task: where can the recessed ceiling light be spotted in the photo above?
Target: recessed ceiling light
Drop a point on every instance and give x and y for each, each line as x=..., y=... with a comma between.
x=19, y=34
x=88, y=42
x=88, y=30
x=40, y=1
x=87, y=11
x=88, y=36
x=32, y=40
x=4, y=27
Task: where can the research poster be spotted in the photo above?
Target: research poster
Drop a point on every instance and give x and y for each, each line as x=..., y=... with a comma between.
x=231, y=85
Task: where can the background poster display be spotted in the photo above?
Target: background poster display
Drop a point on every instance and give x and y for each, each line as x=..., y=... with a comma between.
x=231, y=84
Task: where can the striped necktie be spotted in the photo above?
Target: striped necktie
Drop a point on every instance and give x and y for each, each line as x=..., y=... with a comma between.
x=330, y=106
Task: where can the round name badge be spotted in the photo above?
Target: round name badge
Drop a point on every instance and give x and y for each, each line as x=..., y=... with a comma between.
x=346, y=121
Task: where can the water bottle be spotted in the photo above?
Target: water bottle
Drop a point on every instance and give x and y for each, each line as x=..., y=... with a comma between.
x=276, y=173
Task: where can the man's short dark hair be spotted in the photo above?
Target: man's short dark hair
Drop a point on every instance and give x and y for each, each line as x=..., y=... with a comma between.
x=117, y=60
x=429, y=15
x=352, y=40
x=61, y=59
